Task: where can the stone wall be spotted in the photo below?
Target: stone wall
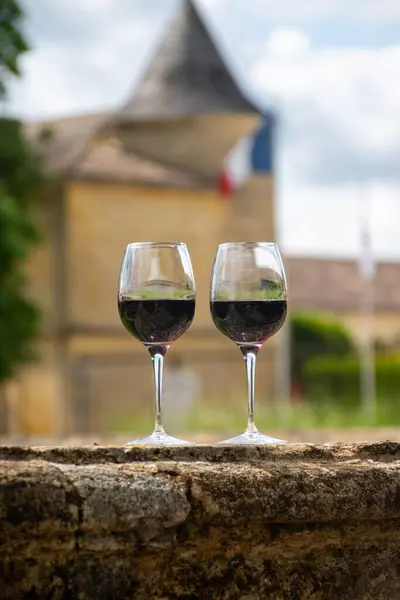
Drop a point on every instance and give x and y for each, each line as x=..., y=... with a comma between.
x=290, y=522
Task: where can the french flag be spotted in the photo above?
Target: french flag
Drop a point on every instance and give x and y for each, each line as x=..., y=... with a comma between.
x=252, y=154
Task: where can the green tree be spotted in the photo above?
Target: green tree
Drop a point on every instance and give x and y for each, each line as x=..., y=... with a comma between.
x=21, y=179
x=316, y=335
x=12, y=41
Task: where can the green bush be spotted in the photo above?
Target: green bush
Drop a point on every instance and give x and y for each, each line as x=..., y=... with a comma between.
x=338, y=379
x=315, y=335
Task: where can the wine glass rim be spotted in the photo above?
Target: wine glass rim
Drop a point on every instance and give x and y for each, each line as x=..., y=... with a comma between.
x=157, y=244
x=249, y=244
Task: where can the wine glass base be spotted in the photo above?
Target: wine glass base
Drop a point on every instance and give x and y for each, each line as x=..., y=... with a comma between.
x=253, y=438
x=159, y=439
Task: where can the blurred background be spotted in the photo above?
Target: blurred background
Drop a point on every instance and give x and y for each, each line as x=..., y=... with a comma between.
x=201, y=121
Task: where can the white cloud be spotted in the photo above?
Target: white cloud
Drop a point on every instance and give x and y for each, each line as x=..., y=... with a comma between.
x=340, y=107
x=340, y=126
x=287, y=44
x=315, y=10
x=383, y=10
x=91, y=65
x=325, y=220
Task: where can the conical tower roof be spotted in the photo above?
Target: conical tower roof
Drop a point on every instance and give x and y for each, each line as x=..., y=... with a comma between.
x=187, y=76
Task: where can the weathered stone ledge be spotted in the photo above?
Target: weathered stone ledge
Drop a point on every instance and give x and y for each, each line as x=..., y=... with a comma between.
x=95, y=454
x=280, y=522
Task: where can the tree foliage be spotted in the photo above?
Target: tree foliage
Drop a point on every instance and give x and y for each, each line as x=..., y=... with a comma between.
x=316, y=335
x=12, y=41
x=21, y=179
x=337, y=379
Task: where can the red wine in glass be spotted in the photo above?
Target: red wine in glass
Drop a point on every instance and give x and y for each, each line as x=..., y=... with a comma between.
x=248, y=304
x=155, y=322
x=156, y=304
x=249, y=322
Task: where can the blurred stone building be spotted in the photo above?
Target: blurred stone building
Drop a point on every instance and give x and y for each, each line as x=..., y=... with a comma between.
x=149, y=171
x=335, y=286
x=146, y=171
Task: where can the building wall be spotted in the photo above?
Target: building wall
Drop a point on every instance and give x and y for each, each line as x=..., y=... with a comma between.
x=102, y=220
x=41, y=266
x=251, y=213
x=32, y=399
x=386, y=325
x=91, y=373
x=113, y=383
x=39, y=393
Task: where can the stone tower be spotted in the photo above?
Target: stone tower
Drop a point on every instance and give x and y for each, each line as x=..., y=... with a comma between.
x=186, y=97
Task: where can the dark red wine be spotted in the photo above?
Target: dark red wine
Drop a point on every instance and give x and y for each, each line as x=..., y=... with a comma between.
x=249, y=322
x=156, y=321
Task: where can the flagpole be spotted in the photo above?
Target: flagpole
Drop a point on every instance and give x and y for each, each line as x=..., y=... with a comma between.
x=367, y=311
x=368, y=387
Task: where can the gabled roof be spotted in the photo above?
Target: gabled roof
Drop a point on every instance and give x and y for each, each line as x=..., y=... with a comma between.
x=335, y=285
x=187, y=75
x=74, y=151
x=68, y=137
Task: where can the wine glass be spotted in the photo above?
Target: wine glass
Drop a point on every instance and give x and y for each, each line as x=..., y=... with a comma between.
x=156, y=304
x=248, y=304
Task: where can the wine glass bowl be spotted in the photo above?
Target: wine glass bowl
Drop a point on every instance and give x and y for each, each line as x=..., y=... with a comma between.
x=248, y=304
x=156, y=304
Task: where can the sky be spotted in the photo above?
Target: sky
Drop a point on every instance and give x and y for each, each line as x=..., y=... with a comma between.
x=330, y=68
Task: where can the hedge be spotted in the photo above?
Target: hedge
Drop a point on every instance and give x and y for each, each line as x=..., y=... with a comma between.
x=315, y=335
x=339, y=378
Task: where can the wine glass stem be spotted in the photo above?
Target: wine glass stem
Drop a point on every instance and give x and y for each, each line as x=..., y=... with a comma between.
x=158, y=364
x=250, y=356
